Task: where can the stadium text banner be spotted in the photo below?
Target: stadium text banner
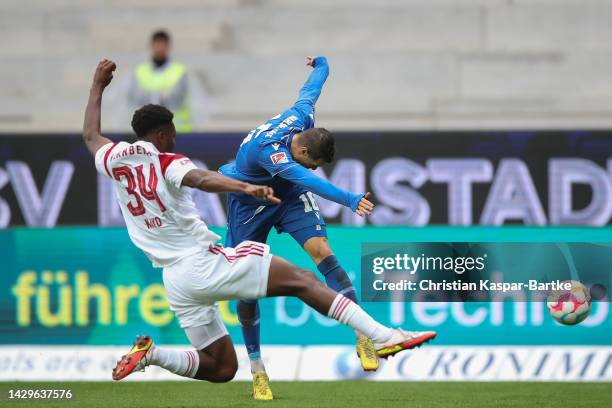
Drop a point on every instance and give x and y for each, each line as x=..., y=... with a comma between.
x=329, y=363
x=482, y=272
x=417, y=178
x=91, y=286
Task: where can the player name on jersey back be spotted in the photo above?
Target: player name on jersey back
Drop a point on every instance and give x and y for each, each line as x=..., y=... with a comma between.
x=130, y=150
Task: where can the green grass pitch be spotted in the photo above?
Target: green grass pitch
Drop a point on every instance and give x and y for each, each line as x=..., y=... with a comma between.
x=353, y=394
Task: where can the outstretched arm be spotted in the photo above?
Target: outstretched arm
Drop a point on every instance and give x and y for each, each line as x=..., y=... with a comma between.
x=312, y=88
x=213, y=182
x=92, y=135
x=359, y=203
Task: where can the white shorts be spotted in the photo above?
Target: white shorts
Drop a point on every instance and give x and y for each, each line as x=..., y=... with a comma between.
x=203, y=336
x=196, y=282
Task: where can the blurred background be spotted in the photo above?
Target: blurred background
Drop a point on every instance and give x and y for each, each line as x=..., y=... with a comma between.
x=395, y=64
x=469, y=120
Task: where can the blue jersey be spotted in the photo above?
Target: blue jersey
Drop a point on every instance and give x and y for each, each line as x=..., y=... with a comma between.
x=266, y=152
x=264, y=157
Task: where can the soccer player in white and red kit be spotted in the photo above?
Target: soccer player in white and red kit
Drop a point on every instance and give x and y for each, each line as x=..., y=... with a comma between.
x=151, y=186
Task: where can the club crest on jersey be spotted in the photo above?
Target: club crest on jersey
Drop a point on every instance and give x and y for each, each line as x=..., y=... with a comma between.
x=278, y=158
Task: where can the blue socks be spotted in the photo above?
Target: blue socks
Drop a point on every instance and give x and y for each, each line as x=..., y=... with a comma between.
x=336, y=278
x=248, y=315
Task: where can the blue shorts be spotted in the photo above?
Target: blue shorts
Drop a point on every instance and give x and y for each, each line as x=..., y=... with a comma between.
x=297, y=215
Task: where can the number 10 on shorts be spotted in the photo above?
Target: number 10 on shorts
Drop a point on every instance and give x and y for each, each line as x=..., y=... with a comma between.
x=309, y=202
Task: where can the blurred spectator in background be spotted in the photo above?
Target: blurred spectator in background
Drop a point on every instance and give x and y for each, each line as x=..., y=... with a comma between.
x=164, y=82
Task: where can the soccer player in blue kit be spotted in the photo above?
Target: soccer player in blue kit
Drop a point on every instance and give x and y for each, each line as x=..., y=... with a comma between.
x=280, y=153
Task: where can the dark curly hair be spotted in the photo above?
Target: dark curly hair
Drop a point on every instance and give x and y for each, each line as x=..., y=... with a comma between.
x=320, y=144
x=160, y=35
x=149, y=118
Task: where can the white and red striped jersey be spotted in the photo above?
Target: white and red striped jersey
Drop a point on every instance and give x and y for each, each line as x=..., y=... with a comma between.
x=160, y=214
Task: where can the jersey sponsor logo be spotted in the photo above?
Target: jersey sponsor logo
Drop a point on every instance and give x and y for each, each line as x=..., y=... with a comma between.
x=278, y=158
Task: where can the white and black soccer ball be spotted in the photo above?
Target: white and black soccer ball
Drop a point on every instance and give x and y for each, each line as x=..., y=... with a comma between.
x=571, y=306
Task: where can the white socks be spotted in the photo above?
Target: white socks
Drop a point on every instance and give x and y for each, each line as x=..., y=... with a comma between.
x=349, y=313
x=183, y=363
x=257, y=365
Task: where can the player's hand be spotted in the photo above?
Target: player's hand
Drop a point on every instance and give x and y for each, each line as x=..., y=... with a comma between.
x=310, y=61
x=262, y=193
x=104, y=73
x=365, y=206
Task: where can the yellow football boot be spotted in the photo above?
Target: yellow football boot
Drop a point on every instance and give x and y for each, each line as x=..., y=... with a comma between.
x=261, y=387
x=367, y=354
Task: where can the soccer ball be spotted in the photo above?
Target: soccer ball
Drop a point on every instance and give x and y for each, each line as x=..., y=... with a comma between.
x=570, y=306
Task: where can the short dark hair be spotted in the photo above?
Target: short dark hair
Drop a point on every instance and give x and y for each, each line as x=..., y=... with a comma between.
x=160, y=35
x=320, y=144
x=149, y=118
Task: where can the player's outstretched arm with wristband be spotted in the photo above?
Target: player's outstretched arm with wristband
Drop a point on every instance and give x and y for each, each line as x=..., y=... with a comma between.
x=92, y=134
x=359, y=203
x=213, y=182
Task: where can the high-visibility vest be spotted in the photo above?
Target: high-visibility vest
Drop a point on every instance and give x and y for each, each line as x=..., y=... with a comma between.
x=163, y=81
